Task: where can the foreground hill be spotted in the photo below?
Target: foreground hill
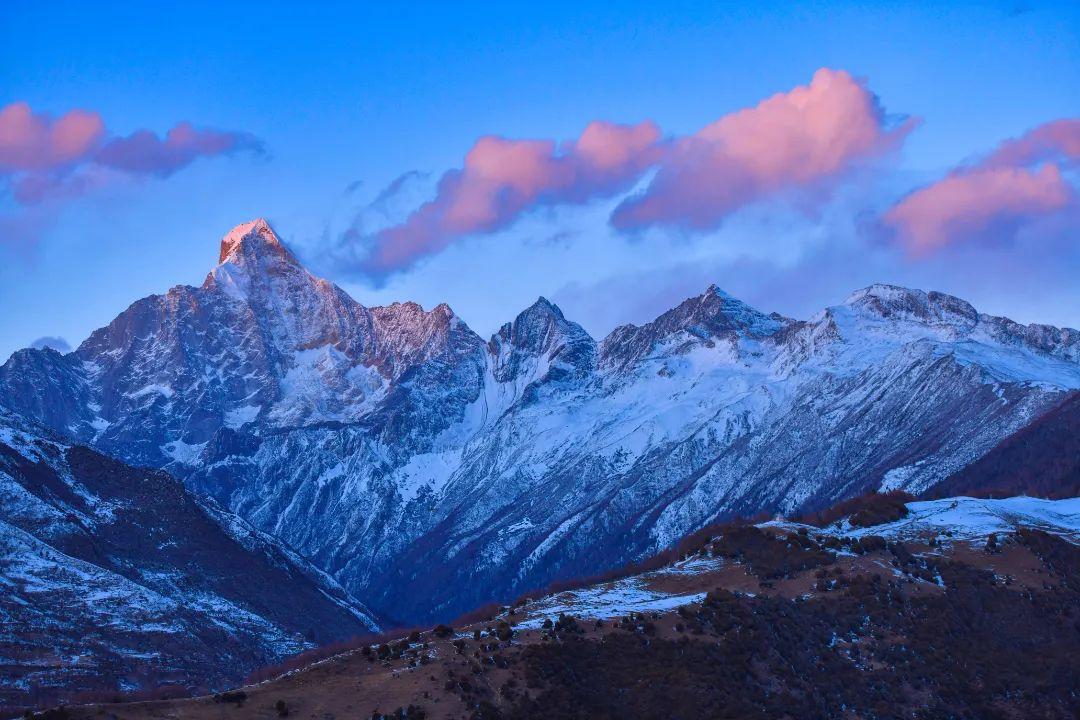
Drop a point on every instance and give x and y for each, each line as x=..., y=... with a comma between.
x=117, y=578
x=952, y=608
x=428, y=470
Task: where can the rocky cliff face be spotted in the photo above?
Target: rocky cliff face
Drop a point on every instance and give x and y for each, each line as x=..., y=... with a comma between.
x=428, y=471
x=119, y=578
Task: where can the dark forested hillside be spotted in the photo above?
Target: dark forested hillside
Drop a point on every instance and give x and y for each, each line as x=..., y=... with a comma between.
x=1042, y=460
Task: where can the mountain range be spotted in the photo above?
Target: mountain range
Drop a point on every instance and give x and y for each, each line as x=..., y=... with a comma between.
x=427, y=470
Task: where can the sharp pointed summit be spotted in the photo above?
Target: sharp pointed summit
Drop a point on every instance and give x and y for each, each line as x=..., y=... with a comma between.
x=253, y=237
x=705, y=318
x=542, y=344
x=542, y=304
x=250, y=253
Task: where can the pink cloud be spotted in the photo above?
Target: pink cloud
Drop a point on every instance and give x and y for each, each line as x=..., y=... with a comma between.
x=144, y=153
x=502, y=178
x=981, y=202
x=1058, y=140
x=791, y=140
x=1018, y=182
x=46, y=159
x=37, y=142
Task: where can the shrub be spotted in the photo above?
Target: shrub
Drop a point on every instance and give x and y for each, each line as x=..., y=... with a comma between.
x=768, y=556
x=504, y=632
x=872, y=543
x=865, y=510
x=567, y=624
x=236, y=697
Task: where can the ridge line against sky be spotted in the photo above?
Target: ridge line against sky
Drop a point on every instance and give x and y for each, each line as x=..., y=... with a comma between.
x=796, y=192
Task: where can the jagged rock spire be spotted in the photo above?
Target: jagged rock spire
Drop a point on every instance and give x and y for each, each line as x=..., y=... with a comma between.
x=253, y=239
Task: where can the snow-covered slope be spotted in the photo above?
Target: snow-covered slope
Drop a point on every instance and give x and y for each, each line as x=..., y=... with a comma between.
x=429, y=471
x=118, y=578
x=965, y=518
x=947, y=520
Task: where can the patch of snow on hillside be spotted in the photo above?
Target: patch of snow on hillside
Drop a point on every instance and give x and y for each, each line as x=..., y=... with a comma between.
x=973, y=518
x=524, y=524
x=151, y=389
x=7, y=436
x=966, y=518
x=604, y=602
x=546, y=544
x=237, y=417
x=619, y=597
x=897, y=477
x=323, y=384
x=1018, y=364
x=183, y=452
x=430, y=470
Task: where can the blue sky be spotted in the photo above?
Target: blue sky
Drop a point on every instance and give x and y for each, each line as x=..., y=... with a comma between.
x=354, y=95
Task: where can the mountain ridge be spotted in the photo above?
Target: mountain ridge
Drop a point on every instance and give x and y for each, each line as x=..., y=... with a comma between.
x=119, y=577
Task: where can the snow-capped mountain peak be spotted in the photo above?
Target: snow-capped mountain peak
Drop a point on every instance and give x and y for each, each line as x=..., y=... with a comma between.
x=539, y=326
x=702, y=320
x=542, y=308
x=901, y=303
x=253, y=238
x=252, y=257
x=542, y=344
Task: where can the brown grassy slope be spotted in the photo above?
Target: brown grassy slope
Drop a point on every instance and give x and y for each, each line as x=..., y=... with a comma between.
x=873, y=632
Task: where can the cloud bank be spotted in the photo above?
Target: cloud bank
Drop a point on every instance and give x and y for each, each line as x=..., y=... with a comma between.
x=503, y=178
x=795, y=139
x=799, y=140
x=144, y=153
x=35, y=142
x=44, y=158
x=1018, y=183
